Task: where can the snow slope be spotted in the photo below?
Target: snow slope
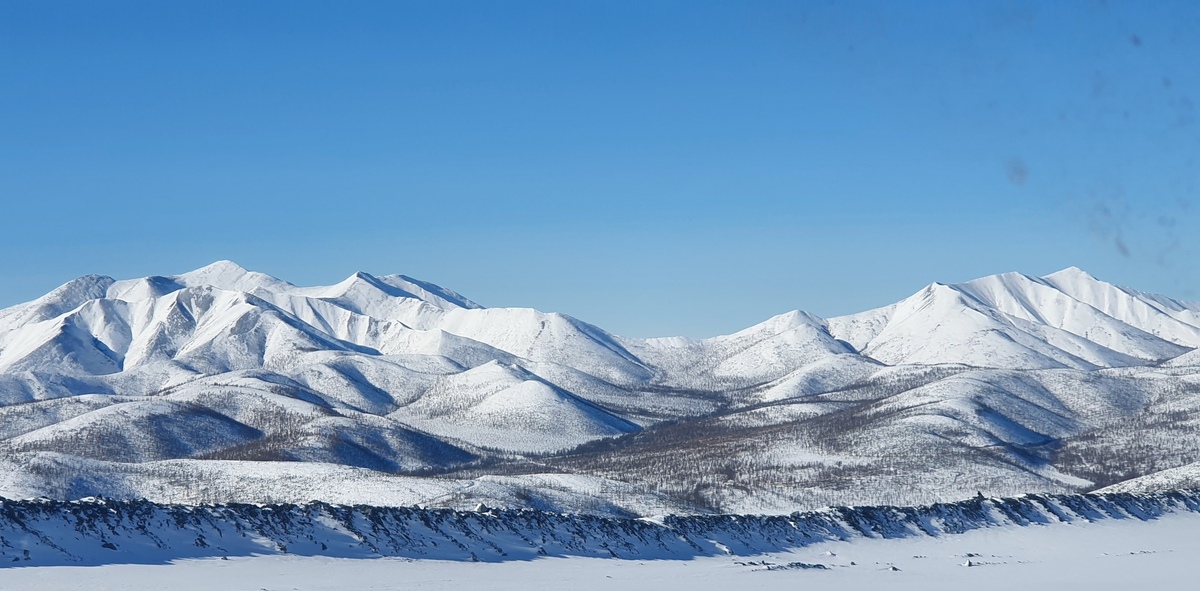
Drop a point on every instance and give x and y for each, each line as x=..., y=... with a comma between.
x=1181, y=478
x=1067, y=319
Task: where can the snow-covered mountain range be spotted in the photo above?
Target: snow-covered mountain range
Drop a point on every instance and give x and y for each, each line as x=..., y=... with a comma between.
x=223, y=384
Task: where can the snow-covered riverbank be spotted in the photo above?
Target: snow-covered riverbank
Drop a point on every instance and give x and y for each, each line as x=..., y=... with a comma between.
x=1107, y=554
x=95, y=531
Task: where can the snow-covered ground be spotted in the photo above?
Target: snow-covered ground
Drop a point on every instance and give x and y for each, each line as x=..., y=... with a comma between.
x=1111, y=554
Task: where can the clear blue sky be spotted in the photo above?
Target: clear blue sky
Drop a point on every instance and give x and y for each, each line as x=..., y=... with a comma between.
x=652, y=167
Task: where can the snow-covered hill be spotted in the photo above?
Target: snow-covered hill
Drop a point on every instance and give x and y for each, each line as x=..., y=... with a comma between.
x=1066, y=319
x=1181, y=478
x=1006, y=384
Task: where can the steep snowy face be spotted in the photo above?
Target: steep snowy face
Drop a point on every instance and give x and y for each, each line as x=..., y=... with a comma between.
x=56, y=303
x=1067, y=319
x=1163, y=317
x=1051, y=302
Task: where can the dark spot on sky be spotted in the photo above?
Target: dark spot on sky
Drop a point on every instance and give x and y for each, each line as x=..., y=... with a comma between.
x=1121, y=248
x=1107, y=224
x=1166, y=221
x=1135, y=40
x=1166, y=82
x=1016, y=171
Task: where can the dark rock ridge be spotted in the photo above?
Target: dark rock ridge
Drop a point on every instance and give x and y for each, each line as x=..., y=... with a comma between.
x=101, y=531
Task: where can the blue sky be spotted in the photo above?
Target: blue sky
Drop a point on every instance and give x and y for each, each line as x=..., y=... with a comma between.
x=652, y=167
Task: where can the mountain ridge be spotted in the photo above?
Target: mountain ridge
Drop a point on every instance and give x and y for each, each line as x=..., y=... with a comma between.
x=1010, y=383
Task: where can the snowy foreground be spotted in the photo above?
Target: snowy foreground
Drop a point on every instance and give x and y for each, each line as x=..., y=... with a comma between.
x=98, y=544
x=1101, y=554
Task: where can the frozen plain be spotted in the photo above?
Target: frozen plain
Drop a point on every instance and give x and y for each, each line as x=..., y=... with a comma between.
x=1109, y=554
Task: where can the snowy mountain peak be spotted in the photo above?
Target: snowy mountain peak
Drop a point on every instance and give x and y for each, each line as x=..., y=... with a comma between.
x=75, y=292
x=61, y=300
x=361, y=290
x=1071, y=273
x=1066, y=319
x=231, y=276
x=217, y=270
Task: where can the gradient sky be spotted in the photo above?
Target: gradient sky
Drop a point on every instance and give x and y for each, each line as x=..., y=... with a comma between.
x=655, y=168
